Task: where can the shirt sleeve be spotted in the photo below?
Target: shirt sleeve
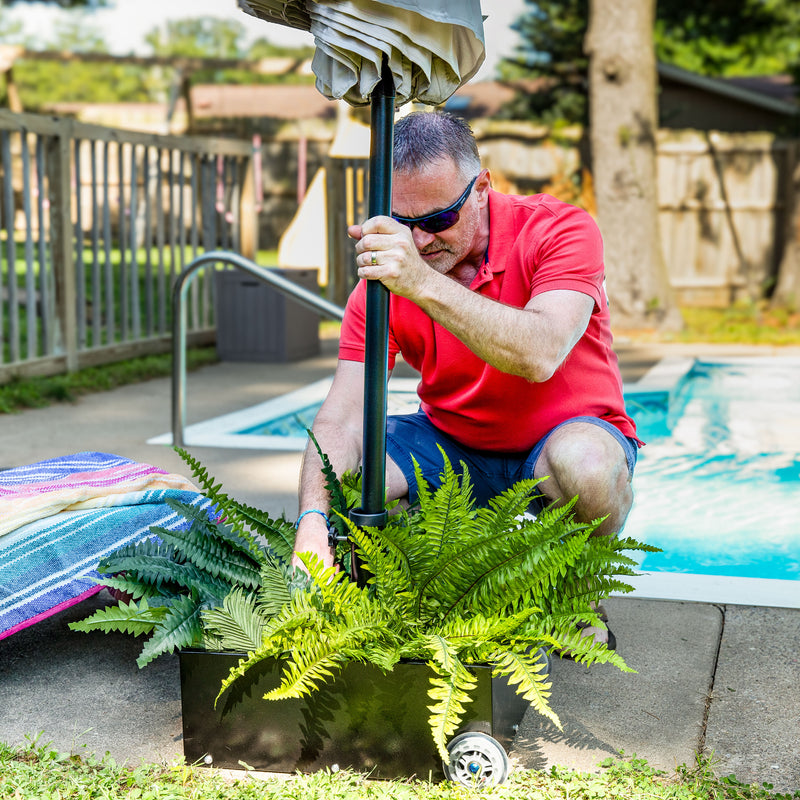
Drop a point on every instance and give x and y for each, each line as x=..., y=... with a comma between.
x=567, y=253
x=352, y=336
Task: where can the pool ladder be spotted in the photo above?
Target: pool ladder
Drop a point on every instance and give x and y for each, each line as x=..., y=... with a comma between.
x=298, y=293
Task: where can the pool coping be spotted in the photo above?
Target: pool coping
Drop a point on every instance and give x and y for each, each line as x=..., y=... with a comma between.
x=222, y=431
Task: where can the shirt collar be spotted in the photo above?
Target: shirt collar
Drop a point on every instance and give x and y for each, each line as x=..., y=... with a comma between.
x=501, y=238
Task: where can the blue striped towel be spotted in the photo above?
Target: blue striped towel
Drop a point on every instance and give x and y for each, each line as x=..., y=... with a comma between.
x=50, y=562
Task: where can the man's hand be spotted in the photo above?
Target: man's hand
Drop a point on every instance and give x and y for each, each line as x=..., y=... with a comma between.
x=312, y=537
x=385, y=251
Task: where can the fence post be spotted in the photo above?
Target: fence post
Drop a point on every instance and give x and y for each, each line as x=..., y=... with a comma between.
x=345, y=204
x=59, y=168
x=250, y=204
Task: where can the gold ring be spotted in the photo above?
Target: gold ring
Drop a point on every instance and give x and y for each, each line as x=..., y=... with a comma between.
x=374, y=259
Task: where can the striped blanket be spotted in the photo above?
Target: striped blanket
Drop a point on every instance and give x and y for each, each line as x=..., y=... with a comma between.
x=59, y=518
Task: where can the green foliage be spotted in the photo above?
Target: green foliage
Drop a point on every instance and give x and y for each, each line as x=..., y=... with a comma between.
x=39, y=392
x=214, y=564
x=246, y=521
x=34, y=770
x=551, y=33
x=450, y=584
x=709, y=37
x=43, y=82
x=134, y=618
x=208, y=37
x=729, y=37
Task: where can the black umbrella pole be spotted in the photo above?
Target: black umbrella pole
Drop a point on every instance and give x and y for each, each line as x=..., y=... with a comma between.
x=376, y=371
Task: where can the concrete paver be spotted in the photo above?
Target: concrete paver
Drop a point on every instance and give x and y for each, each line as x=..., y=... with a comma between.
x=754, y=716
x=85, y=691
x=655, y=713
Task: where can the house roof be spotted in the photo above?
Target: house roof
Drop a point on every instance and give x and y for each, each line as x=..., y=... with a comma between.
x=771, y=93
x=279, y=101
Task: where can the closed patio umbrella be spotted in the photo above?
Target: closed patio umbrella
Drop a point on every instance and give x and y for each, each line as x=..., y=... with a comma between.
x=383, y=53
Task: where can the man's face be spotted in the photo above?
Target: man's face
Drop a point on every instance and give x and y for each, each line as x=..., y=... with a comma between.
x=425, y=192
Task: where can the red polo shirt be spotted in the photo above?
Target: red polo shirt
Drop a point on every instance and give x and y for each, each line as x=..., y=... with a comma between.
x=536, y=244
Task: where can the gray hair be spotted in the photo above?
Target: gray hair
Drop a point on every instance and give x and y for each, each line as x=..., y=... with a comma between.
x=423, y=137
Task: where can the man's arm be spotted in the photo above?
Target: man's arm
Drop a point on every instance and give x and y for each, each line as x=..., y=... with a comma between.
x=338, y=428
x=531, y=342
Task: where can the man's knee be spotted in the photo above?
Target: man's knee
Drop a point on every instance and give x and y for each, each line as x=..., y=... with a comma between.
x=584, y=459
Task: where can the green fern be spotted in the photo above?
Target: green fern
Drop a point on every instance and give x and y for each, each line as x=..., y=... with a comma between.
x=278, y=533
x=238, y=624
x=450, y=690
x=524, y=671
x=179, y=628
x=133, y=618
x=179, y=575
x=339, y=505
x=450, y=584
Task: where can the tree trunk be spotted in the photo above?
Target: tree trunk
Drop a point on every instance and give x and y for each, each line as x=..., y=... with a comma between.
x=623, y=125
x=787, y=289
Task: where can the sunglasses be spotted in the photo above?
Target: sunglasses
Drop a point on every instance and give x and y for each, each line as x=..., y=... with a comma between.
x=440, y=220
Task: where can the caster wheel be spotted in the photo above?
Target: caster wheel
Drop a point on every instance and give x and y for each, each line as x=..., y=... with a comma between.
x=476, y=759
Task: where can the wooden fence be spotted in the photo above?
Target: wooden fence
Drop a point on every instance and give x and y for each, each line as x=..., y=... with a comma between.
x=95, y=224
x=723, y=199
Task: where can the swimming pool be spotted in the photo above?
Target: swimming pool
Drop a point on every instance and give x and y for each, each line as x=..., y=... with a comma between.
x=717, y=486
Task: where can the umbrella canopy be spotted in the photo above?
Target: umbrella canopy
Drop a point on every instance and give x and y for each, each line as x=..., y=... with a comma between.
x=431, y=46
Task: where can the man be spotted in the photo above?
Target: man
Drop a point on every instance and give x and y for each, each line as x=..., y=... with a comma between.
x=499, y=302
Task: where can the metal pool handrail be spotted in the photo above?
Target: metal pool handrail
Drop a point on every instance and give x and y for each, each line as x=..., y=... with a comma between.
x=297, y=293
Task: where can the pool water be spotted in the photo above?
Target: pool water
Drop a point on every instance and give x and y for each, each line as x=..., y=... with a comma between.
x=717, y=485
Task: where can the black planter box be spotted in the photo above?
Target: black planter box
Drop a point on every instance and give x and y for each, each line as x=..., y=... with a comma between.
x=363, y=719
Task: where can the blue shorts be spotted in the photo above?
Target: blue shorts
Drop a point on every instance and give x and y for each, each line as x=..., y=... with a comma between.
x=491, y=473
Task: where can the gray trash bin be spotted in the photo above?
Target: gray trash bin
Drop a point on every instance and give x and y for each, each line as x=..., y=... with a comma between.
x=256, y=322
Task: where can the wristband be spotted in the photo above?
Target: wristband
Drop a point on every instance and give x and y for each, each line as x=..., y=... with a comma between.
x=313, y=511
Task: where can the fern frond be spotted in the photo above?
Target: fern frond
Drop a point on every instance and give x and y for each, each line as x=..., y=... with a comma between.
x=238, y=624
x=208, y=554
x=334, y=487
x=334, y=594
x=584, y=650
x=446, y=509
x=525, y=671
x=275, y=589
x=508, y=568
x=386, y=560
x=147, y=548
x=159, y=570
x=226, y=506
x=279, y=533
x=295, y=620
x=179, y=628
x=128, y=584
x=450, y=691
x=212, y=525
x=132, y=618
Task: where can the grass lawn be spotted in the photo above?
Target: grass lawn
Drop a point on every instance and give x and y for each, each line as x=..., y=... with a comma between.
x=37, y=772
